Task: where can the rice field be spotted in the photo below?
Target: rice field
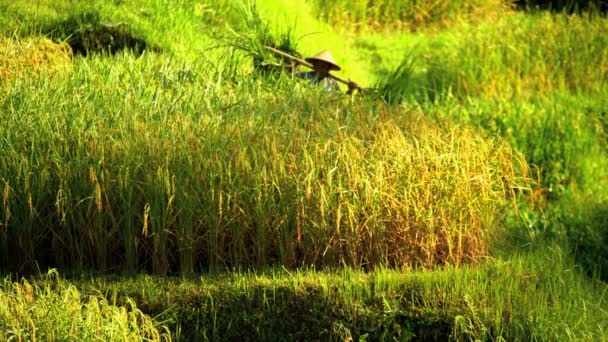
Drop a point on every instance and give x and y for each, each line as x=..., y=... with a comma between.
x=176, y=183
x=186, y=195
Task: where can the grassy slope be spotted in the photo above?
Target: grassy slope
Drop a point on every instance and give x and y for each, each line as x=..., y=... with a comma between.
x=559, y=303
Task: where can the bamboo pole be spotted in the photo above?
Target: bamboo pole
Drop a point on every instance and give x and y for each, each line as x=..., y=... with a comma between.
x=303, y=62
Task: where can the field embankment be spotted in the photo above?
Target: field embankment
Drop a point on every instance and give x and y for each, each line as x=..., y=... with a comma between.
x=523, y=297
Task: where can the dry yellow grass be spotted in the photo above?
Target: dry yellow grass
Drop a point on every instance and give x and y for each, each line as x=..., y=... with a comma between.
x=29, y=56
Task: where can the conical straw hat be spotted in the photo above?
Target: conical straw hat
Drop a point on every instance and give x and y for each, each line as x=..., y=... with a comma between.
x=326, y=57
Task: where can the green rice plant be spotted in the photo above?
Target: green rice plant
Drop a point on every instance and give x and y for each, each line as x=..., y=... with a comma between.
x=53, y=309
x=249, y=34
x=563, y=139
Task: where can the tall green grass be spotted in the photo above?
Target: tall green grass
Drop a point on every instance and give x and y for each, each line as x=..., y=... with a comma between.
x=564, y=140
x=175, y=104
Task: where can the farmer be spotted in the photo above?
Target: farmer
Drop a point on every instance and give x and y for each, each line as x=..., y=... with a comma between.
x=323, y=63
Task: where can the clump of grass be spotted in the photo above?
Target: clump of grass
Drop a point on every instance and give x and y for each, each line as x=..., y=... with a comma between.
x=86, y=33
x=27, y=57
x=53, y=309
x=249, y=34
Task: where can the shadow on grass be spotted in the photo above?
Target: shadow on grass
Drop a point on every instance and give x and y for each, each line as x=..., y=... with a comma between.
x=86, y=33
